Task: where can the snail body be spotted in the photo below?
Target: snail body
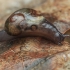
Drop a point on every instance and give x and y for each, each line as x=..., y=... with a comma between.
x=27, y=22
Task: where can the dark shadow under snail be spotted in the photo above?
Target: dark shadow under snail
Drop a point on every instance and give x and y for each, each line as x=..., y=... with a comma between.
x=27, y=22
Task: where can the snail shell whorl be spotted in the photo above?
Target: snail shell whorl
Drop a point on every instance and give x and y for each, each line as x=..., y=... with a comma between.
x=19, y=20
x=12, y=25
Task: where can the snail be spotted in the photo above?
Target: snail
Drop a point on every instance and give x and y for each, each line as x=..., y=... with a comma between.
x=27, y=22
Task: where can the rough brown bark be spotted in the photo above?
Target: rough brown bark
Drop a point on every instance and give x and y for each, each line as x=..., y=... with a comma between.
x=35, y=53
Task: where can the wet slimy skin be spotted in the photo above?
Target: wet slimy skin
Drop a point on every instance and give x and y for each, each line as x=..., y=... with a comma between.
x=27, y=22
